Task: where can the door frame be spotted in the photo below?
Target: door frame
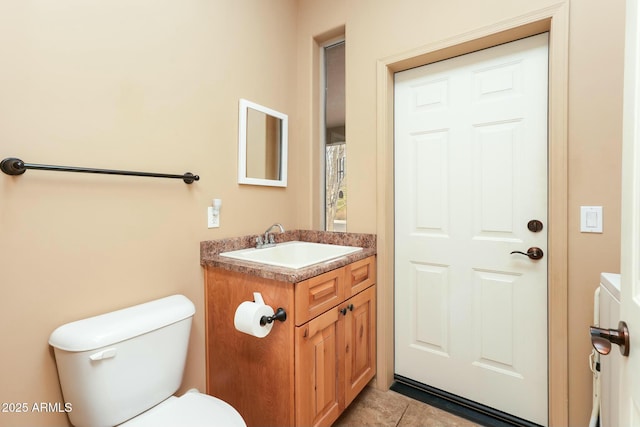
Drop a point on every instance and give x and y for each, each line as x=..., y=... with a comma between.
x=555, y=20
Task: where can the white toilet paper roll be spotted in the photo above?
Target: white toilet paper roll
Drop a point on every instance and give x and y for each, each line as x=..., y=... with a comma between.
x=247, y=319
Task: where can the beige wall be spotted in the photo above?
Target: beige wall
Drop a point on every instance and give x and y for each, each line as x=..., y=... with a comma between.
x=144, y=85
x=595, y=158
x=378, y=30
x=154, y=85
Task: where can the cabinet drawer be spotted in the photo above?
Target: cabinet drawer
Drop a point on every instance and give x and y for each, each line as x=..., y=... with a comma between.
x=360, y=275
x=318, y=294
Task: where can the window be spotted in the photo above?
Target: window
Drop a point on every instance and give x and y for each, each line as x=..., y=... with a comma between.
x=334, y=141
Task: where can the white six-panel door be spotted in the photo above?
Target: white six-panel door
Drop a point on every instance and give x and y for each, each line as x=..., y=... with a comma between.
x=470, y=173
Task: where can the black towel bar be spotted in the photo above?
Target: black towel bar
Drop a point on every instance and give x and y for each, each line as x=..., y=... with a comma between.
x=13, y=166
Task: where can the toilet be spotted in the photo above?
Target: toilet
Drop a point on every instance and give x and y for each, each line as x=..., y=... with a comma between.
x=123, y=367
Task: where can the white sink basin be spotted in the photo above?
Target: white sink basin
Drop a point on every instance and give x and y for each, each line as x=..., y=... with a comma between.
x=292, y=254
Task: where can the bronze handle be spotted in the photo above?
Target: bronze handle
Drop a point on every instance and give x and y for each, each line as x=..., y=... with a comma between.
x=344, y=310
x=533, y=253
x=601, y=339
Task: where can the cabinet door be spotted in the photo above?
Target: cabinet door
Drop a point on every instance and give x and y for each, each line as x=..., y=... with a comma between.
x=360, y=342
x=318, y=393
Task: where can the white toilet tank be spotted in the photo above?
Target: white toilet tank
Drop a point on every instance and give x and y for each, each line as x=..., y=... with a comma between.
x=117, y=365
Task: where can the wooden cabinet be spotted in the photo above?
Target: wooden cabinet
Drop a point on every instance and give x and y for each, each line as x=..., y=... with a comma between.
x=309, y=368
x=335, y=359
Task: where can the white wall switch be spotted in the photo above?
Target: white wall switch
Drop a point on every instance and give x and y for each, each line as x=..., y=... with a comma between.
x=591, y=219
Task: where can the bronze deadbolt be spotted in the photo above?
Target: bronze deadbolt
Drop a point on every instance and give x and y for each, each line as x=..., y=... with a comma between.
x=535, y=225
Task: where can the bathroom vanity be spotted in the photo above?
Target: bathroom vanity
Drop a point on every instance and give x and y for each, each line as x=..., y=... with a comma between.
x=310, y=367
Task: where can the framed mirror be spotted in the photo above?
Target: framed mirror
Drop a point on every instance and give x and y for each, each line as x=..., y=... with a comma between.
x=262, y=145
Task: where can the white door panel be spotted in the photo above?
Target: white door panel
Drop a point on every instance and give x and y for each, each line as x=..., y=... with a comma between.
x=471, y=171
x=629, y=410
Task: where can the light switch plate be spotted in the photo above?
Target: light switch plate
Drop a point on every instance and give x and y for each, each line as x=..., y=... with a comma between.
x=591, y=219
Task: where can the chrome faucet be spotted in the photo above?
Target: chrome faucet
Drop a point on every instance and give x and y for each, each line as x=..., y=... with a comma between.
x=268, y=239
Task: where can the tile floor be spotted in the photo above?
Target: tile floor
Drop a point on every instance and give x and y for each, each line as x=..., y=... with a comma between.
x=375, y=407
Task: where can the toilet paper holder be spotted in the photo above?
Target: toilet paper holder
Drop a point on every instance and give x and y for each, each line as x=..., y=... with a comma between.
x=280, y=315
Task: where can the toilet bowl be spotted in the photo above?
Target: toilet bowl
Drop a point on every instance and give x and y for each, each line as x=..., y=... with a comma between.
x=191, y=409
x=123, y=367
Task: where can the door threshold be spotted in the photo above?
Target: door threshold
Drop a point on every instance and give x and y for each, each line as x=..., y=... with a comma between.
x=457, y=405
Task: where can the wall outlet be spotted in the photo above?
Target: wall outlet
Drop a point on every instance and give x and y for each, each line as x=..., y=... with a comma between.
x=213, y=217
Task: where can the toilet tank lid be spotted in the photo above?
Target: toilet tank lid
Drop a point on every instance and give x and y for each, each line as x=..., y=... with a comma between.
x=116, y=326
